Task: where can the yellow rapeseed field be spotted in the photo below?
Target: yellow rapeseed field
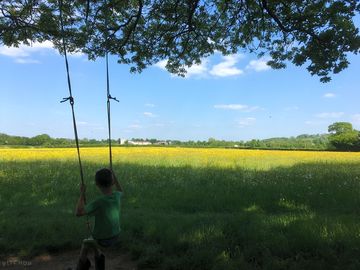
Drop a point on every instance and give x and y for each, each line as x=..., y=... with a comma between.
x=195, y=157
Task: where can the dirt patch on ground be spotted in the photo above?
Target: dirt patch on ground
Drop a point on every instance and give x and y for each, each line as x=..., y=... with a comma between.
x=66, y=261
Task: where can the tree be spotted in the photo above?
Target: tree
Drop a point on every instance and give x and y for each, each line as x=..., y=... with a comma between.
x=40, y=140
x=318, y=33
x=343, y=136
x=340, y=127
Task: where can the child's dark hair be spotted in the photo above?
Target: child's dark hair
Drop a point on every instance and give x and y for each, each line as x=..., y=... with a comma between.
x=104, y=178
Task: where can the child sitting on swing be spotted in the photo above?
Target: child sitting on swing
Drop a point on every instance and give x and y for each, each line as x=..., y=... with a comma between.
x=106, y=210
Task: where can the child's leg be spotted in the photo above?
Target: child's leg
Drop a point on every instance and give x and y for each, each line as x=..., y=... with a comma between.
x=84, y=252
x=97, y=252
x=84, y=262
x=99, y=259
x=99, y=256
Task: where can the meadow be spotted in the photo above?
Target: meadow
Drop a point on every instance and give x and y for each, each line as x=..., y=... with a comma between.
x=187, y=208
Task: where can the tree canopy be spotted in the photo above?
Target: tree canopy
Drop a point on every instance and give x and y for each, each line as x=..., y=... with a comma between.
x=343, y=136
x=318, y=34
x=340, y=127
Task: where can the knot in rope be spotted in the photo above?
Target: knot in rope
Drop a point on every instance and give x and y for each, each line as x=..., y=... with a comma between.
x=113, y=98
x=71, y=99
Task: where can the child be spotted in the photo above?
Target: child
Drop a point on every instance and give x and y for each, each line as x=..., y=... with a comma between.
x=106, y=210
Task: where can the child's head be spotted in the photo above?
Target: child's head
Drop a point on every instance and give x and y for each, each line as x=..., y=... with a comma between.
x=104, y=178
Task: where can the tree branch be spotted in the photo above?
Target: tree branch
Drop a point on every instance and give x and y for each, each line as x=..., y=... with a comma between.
x=132, y=29
x=285, y=29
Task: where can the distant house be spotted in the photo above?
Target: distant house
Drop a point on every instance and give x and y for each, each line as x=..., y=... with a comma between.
x=122, y=141
x=139, y=143
x=162, y=143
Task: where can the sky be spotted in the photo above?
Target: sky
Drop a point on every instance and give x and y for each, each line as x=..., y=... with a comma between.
x=236, y=97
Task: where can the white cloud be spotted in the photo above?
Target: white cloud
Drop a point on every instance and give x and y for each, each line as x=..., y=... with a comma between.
x=13, y=51
x=42, y=45
x=194, y=70
x=25, y=50
x=150, y=105
x=134, y=126
x=161, y=64
x=149, y=114
x=330, y=115
x=210, y=41
x=329, y=95
x=22, y=53
x=248, y=121
x=227, y=67
x=26, y=61
x=197, y=69
x=76, y=54
x=239, y=107
x=259, y=64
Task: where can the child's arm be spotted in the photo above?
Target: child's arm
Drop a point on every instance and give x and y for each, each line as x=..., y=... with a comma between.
x=116, y=183
x=80, y=207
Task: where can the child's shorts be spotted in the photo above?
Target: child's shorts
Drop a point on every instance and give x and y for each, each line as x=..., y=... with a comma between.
x=108, y=242
x=101, y=242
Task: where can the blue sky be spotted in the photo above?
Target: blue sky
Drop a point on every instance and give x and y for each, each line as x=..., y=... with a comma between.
x=233, y=98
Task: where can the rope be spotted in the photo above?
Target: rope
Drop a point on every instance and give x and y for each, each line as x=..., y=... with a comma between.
x=71, y=101
x=109, y=97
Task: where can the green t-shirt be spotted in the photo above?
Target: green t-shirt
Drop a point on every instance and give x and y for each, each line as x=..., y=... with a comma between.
x=106, y=210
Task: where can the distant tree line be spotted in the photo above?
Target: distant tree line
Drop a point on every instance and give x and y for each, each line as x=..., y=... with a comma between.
x=304, y=141
x=46, y=140
x=342, y=136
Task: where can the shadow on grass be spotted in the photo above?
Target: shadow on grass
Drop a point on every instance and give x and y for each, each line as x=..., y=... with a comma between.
x=299, y=217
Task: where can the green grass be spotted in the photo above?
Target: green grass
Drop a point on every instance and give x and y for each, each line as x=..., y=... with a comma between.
x=304, y=216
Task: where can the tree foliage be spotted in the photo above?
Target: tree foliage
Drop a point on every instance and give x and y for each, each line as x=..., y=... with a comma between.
x=343, y=136
x=340, y=127
x=318, y=34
